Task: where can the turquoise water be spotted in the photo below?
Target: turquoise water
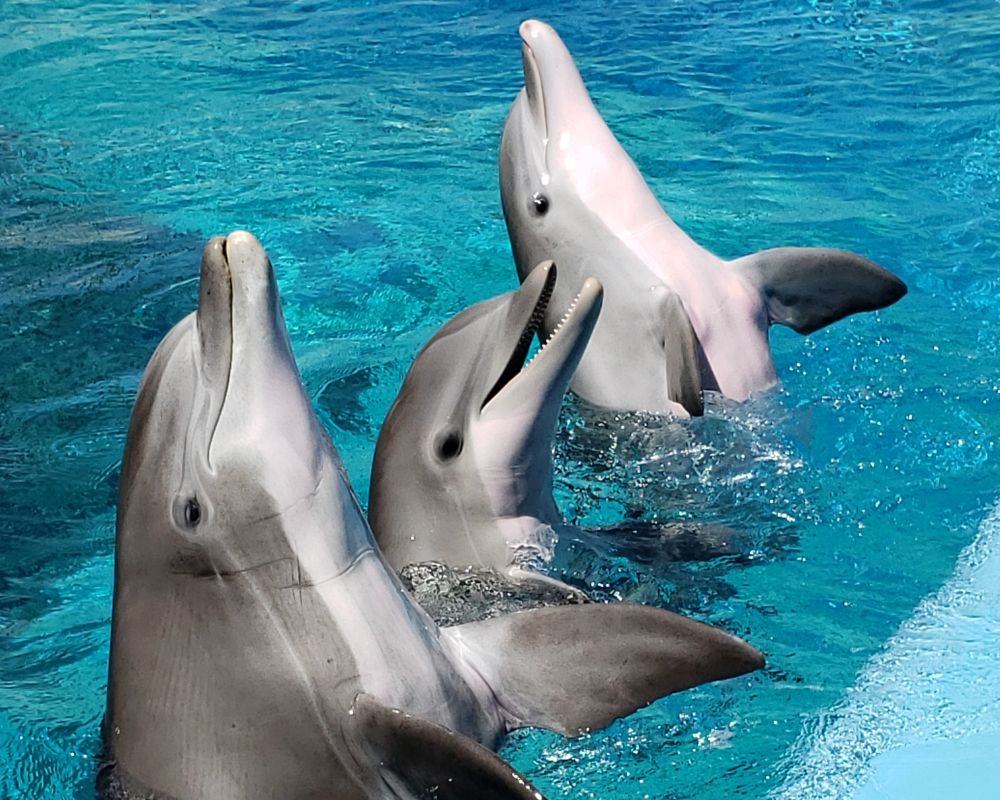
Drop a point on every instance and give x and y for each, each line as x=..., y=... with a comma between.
x=926, y=709
x=360, y=145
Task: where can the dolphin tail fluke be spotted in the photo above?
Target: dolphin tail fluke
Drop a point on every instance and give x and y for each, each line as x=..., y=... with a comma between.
x=681, y=350
x=422, y=759
x=577, y=668
x=807, y=288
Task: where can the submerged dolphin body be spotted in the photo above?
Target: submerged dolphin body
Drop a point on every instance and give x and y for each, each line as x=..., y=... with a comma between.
x=677, y=319
x=462, y=472
x=260, y=645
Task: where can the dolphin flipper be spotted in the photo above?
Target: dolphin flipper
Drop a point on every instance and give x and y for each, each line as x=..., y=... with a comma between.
x=807, y=288
x=422, y=759
x=576, y=668
x=544, y=584
x=681, y=349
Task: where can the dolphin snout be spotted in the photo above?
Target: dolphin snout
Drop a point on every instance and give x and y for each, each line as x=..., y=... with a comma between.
x=254, y=293
x=533, y=29
x=243, y=253
x=214, y=316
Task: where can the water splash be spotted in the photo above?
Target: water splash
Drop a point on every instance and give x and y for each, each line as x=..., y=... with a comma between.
x=456, y=596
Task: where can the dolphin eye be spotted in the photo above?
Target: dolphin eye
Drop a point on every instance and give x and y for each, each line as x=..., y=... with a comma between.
x=192, y=513
x=449, y=445
x=540, y=202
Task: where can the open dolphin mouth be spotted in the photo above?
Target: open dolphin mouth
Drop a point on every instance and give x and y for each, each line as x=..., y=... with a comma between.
x=516, y=361
x=560, y=350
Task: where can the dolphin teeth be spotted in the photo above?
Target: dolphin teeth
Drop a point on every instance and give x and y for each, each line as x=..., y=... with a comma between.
x=517, y=363
x=534, y=325
x=555, y=331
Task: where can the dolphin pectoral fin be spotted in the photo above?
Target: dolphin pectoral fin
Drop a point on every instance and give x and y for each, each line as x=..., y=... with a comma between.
x=680, y=345
x=577, y=668
x=421, y=759
x=807, y=288
x=545, y=585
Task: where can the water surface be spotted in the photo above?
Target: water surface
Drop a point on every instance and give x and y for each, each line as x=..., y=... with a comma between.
x=359, y=143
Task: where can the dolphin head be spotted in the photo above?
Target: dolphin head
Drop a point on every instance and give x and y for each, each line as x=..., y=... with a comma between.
x=469, y=438
x=231, y=504
x=559, y=161
x=224, y=449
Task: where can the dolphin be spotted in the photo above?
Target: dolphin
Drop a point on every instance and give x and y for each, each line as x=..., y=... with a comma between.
x=677, y=319
x=260, y=645
x=462, y=472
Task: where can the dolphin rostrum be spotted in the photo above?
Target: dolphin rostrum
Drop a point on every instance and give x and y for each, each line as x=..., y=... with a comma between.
x=677, y=319
x=262, y=648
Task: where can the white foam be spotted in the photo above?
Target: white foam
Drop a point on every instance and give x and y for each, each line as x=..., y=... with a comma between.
x=935, y=682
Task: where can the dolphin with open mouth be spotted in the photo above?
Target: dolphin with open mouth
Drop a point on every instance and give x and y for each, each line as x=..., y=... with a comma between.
x=462, y=472
x=677, y=319
x=260, y=645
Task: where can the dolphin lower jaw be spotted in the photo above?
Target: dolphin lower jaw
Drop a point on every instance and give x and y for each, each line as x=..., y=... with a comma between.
x=518, y=485
x=592, y=292
x=534, y=93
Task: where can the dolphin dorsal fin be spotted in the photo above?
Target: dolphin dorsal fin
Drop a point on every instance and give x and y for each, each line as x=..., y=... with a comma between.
x=422, y=759
x=577, y=668
x=807, y=288
x=680, y=346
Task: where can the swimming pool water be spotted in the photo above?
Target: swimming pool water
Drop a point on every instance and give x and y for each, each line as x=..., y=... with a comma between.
x=359, y=143
x=926, y=708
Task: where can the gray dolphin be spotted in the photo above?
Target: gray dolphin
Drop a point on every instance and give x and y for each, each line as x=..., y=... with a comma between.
x=462, y=472
x=262, y=648
x=677, y=319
